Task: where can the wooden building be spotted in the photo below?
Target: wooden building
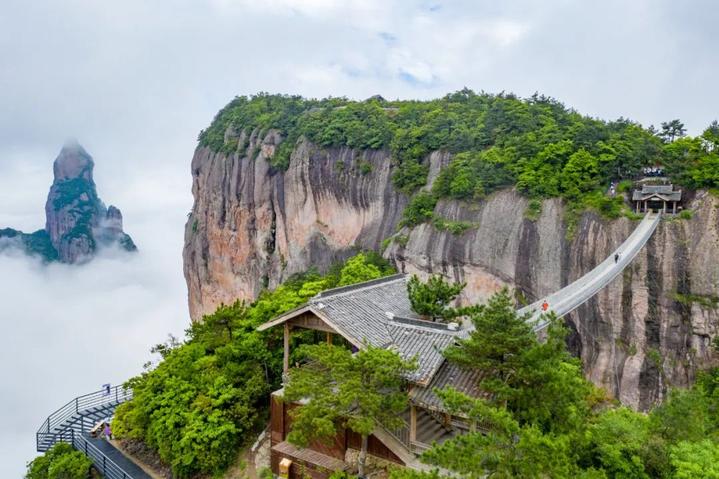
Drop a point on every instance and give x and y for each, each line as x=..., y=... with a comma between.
x=379, y=313
x=658, y=198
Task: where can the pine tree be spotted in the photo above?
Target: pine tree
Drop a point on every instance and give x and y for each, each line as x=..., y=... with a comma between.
x=354, y=391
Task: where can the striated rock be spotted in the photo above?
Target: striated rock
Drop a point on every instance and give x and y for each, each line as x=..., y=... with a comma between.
x=252, y=227
x=77, y=222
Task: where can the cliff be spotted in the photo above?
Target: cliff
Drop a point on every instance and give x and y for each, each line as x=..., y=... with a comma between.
x=77, y=221
x=252, y=227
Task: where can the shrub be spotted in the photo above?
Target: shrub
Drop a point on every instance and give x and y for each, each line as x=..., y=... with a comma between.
x=61, y=461
x=419, y=210
x=534, y=209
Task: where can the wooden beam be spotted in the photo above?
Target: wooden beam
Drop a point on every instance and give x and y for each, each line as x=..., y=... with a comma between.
x=286, y=357
x=412, y=424
x=310, y=321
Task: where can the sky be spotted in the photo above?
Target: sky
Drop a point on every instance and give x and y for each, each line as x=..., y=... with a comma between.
x=135, y=81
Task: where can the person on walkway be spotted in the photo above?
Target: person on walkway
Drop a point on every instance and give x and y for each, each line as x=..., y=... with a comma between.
x=108, y=431
x=616, y=258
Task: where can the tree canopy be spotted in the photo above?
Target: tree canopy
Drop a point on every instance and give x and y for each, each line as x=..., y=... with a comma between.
x=210, y=393
x=61, y=461
x=340, y=389
x=541, y=418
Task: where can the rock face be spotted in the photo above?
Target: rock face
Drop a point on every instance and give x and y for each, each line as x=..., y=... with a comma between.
x=252, y=227
x=77, y=222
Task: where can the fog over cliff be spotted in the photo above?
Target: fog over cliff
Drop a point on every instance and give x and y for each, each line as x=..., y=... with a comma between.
x=69, y=329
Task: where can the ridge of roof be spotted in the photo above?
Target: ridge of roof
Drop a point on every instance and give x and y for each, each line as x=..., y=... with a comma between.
x=357, y=286
x=421, y=323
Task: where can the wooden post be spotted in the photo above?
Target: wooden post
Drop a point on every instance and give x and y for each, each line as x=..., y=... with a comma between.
x=329, y=337
x=645, y=206
x=674, y=207
x=286, y=358
x=412, y=424
x=665, y=206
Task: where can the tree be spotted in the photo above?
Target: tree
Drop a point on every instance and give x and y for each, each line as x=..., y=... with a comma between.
x=695, y=460
x=358, y=269
x=432, y=299
x=539, y=382
x=61, y=461
x=505, y=449
x=672, y=130
x=580, y=174
x=340, y=389
x=616, y=442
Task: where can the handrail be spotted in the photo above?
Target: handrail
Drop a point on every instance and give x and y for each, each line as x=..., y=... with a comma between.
x=575, y=294
x=58, y=426
x=117, y=395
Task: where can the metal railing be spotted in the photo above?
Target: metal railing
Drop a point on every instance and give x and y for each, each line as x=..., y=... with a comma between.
x=62, y=425
x=104, y=465
x=103, y=397
x=575, y=294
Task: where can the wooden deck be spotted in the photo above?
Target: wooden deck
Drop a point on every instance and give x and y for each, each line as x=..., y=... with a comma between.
x=310, y=456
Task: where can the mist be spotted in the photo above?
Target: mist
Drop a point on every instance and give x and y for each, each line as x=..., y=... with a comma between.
x=69, y=329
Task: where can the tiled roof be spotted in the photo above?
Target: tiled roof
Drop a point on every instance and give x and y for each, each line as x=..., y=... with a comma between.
x=379, y=312
x=449, y=374
x=665, y=192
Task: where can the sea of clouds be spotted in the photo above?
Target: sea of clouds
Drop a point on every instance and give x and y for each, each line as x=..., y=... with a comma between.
x=68, y=329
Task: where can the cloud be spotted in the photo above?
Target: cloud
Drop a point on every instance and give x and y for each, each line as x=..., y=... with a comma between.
x=70, y=329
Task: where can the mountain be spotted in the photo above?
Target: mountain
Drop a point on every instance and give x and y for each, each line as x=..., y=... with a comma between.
x=279, y=198
x=77, y=222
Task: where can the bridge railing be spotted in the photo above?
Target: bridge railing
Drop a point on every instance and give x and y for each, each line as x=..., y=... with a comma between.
x=103, y=397
x=105, y=466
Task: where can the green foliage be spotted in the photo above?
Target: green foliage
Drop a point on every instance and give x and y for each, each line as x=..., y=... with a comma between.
x=474, y=174
x=616, y=441
x=358, y=269
x=497, y=140
x=74, y=190
x=432, y=298
x=695, y=460
x=706, y=301
x=540, y=383
x=625, y=186
x=455, y=227
x=686, y=214
x=365, y=167
x=211, y=392
x=534, y=209
x=419, y=210
x=541, y=418
x=340, y=389
x=61, y=461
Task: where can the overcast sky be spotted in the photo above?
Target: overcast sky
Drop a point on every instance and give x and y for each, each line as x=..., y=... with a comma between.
x=136, y=80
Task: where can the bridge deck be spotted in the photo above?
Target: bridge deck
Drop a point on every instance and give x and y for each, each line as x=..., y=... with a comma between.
x=112, y=453
x=575, y=294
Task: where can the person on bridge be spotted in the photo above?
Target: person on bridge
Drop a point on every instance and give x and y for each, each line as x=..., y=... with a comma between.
x=616, y=258
x=545, y=306
x=108, y=431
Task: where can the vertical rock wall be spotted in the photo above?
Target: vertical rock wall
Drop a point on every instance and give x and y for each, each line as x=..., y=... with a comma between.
x=252, y=227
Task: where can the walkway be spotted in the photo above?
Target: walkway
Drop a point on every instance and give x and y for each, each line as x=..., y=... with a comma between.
x=577, y=293
x=72, y=423
x=116, y=457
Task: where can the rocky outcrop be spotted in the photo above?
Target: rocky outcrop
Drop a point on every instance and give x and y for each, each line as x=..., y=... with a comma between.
x=77, y=222
x=252, y=227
